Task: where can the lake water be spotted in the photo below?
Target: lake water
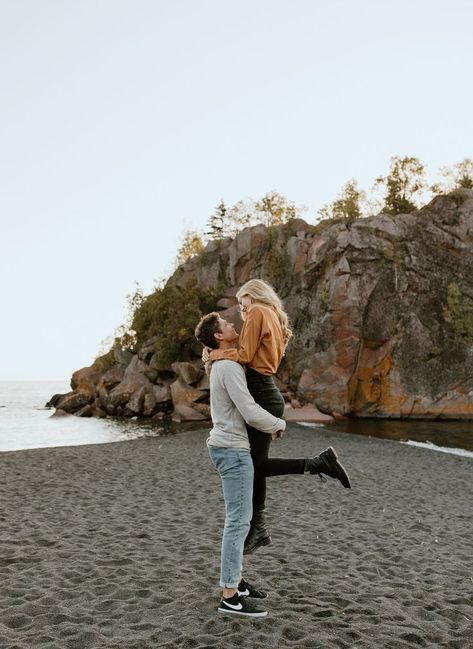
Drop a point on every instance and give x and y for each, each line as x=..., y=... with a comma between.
x=26, y=423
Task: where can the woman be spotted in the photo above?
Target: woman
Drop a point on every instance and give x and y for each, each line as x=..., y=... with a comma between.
x=263, y=341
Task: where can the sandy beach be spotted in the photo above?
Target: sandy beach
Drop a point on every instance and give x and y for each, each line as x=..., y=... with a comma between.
x=116, y=546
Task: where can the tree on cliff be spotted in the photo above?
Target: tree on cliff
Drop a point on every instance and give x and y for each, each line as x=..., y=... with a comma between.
x=169, y=315
x=460, y=176
x=406, y=179
x=347, y=205
x=217, y=223
x=275, y=209
x=192, y=244
x=272, y=209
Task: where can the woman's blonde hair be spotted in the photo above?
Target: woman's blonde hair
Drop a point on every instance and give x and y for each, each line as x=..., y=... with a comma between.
x=260, y=291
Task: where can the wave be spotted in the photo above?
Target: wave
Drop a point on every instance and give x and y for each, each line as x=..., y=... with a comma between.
x=441, y=449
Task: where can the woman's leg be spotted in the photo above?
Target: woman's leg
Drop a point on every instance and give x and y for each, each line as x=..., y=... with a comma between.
x=268, y=396
x=259, y=443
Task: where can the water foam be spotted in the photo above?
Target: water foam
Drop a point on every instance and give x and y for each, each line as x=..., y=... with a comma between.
x=442, y=449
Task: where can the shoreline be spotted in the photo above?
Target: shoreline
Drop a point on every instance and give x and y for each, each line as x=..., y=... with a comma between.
x=116, y=546
x=424, y=445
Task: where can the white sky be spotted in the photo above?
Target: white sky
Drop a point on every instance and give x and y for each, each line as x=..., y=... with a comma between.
x=122, y=122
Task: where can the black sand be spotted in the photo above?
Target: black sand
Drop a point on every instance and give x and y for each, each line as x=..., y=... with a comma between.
x=117, y=546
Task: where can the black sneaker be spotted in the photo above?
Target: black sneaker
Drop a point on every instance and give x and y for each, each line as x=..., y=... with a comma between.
x=237, y=605
x=247, y=590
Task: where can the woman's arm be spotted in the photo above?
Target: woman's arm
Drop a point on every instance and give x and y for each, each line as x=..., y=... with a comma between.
x=251, y=335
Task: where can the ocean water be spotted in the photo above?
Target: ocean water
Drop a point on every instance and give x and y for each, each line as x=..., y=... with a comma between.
x=455, y=437
x=25, y=423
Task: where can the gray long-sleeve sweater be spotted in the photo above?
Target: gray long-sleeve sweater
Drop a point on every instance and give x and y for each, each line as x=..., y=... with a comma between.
x=232, y=405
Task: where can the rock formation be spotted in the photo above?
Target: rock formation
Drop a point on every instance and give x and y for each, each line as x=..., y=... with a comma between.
x=381, y=308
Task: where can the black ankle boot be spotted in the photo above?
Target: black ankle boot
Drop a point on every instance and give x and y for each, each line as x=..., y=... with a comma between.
x=258, y=534
x=327, y=463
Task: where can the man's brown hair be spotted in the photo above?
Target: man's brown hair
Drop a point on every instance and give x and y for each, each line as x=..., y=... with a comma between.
x=205, y=331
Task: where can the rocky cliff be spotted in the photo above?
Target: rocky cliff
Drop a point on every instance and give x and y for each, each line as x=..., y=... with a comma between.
x=381, y=308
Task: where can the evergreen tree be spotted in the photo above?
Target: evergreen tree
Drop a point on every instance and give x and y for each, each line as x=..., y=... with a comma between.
x=217, y=222
x=272, y=209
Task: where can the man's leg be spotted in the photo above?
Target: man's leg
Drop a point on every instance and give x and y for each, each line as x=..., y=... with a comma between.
x=236, y=471
x=237, y=484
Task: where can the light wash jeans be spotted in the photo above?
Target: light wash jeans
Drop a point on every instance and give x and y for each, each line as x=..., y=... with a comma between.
x=236, y=471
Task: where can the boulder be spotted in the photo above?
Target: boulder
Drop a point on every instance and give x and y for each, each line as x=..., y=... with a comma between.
x=98, y=410
x=75, y=400
x=203, y=408
x=104, y=400
x=54, y=400
x=87, y=377
x=189, y=373
x=183, y=393
x=113, y=376
x=135, y=403
x=204, y=383
x=136, y=366
x=149, y=404
x=123, y=356
x=132, y=382
x=155, y=363
x=162, y=393
x=86, y=411
x=59, y=413
x=183, y=412
x=307, y=414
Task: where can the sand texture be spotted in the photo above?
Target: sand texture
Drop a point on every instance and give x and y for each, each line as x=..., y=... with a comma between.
x=117, y=546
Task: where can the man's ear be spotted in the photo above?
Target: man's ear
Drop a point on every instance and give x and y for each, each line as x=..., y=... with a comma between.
x=218, y=335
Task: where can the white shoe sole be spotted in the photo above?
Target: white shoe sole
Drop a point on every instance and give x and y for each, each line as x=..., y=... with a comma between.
x=226, y=610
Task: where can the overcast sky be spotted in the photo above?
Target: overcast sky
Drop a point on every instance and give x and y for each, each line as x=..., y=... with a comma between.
x=123, y=122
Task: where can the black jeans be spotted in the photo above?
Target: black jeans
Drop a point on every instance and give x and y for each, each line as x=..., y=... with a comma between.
x=265, y=393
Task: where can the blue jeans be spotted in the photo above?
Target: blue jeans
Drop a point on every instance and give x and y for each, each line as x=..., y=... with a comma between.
x=235, y=468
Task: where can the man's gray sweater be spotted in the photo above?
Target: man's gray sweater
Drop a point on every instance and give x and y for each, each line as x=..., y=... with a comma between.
x=232, y=405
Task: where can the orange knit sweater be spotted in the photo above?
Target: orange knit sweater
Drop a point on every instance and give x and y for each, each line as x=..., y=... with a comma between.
x=261, y=341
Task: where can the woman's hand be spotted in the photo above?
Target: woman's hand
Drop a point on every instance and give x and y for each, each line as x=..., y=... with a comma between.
x=206, y=360
x=277, y=434
x=206, y=355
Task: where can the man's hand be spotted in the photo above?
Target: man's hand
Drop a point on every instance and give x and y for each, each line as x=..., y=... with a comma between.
x=277, y=434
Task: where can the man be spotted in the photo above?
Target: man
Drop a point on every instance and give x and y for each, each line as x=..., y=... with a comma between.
x=231, y=406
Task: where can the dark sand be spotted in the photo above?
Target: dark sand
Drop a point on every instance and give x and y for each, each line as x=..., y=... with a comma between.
x=117, y=546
